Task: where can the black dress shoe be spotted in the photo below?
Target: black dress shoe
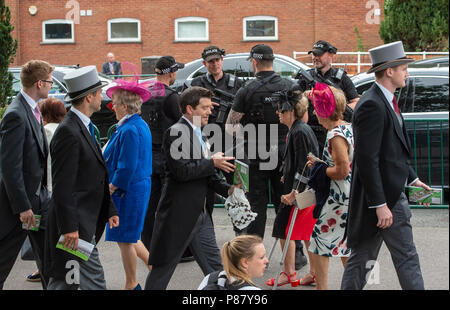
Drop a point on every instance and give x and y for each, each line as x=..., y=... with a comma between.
x=300, y=258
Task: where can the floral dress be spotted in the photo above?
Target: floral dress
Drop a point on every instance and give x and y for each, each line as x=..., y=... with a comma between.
x=328, y=233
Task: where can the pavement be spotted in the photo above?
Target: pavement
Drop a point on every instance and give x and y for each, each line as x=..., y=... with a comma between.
x=431, y=236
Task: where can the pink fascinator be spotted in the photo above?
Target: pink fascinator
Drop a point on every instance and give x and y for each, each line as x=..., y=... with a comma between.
x=323, y=100
x=145, y=90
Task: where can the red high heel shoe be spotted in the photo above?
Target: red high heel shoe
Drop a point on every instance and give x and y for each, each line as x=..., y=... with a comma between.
x=312, y=281
x=294, y=282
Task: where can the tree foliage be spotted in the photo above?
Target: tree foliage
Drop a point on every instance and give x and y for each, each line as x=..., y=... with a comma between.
x=422, y=25
x=8, y=48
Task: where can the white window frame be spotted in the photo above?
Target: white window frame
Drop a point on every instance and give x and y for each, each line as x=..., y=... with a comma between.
x=58, y=21
x=124, y=20
x=259, y=17
x=192, y=19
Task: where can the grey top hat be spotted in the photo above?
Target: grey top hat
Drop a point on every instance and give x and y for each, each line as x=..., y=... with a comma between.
x=387, y=56
x=81, y=82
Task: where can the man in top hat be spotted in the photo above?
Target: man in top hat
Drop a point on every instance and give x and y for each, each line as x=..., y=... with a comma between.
x=23, y=167
x=81, y=204
x=378, y=208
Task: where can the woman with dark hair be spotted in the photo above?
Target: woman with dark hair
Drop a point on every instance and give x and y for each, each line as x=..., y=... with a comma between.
x=292, y=111
x=52, y=111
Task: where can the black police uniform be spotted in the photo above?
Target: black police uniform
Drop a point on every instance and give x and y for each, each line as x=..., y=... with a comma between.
x=338, y=78
x=254, y=100
x=159, y=113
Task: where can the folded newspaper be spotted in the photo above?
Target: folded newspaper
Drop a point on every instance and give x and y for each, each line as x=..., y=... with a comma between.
x=33, y=228
x=83, y=251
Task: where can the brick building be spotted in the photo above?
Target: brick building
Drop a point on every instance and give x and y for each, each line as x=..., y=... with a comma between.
x=83, y=32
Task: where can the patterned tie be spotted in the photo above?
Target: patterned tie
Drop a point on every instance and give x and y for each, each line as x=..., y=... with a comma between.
x=37, y=114
x=92, y=131
x=394, y=101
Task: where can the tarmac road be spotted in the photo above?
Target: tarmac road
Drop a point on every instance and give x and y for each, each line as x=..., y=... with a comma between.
x=431, y=236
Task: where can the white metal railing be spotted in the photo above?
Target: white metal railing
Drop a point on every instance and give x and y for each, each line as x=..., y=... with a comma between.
x=358, y=64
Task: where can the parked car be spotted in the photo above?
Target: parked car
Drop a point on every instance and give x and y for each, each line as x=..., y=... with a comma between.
x=425, y=96
x=437, y=61
x=238, y=65
x=103, y=119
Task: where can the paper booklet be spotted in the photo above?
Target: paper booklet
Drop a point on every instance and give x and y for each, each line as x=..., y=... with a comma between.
x=421, y=195
x=35, y=228
x=241, y=175
x=83, y=250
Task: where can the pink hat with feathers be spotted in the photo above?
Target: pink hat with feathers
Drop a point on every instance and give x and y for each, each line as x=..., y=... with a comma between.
x=145, y=90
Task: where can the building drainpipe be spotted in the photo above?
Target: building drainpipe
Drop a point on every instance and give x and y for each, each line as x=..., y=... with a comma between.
x=18, y=53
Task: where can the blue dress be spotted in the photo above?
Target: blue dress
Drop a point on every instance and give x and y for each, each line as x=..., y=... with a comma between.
x=128, y=157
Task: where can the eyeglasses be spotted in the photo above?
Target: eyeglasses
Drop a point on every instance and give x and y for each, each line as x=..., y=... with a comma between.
x=51, y=82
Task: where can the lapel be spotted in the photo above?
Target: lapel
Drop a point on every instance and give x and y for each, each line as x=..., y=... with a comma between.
x=398, y=129
x=87, y=136
x=38, y=130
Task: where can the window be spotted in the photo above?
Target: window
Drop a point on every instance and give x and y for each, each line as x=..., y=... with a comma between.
x=57, y=31
x=260, y=28
x=191, y=29
x=124, y=30
x=431, y=94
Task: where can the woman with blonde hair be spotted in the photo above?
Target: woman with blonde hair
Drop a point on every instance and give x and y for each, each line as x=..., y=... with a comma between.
x=327, y=239
x=300, y=141
x=128, y=157
x=243, y=258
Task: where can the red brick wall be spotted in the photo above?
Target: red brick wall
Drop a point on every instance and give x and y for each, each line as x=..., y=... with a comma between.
x=300, y=24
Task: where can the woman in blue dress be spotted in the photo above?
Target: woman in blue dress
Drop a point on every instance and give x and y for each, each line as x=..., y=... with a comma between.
x=128, y=156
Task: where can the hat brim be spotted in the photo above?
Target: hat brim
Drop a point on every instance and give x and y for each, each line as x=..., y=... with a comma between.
x=142, y=92
x=390, y=64
x=211, y=57
x=67, y=98
x=316, y=51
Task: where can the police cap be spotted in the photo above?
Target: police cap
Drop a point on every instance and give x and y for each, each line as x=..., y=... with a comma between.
x=212, y=52
x=321, y=47
x=167, y=64
x=261, y=52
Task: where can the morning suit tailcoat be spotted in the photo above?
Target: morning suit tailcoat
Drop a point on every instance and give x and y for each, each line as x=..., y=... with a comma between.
x=380, y=167
x=189, y=175
x=80, y=199
x=23, y=162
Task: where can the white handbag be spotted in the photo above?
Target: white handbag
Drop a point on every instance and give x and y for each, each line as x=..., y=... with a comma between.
x=306, y=198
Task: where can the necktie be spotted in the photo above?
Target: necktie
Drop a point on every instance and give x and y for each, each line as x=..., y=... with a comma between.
x=394, y=101
x=111, y=68
x=199, y=135
x=37, y=114
x=92, y=131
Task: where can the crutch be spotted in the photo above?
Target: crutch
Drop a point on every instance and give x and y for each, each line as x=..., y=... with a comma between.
x=297, y=180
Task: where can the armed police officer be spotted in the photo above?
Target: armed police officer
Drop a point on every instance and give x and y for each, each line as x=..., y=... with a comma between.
x=254, y=106
x=322, y=57
x=160, y=113
x=224, y=86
